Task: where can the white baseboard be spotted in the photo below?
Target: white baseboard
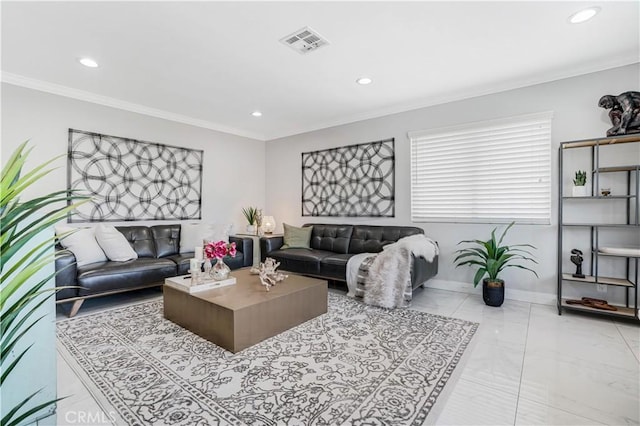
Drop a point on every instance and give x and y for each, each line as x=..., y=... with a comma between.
x=510, y=294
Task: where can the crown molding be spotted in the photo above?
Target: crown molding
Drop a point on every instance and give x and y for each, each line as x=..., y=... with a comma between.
x=499, y=87
x=19, y=80
x=57, y=89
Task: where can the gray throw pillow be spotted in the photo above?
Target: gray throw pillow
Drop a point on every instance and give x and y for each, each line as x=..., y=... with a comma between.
x=295, y=237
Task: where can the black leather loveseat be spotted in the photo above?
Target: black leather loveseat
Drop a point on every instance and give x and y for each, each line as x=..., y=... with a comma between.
x=159, y=257
x=333, y=245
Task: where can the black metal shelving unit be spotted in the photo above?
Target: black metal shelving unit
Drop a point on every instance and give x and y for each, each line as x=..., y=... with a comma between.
x=632, y=224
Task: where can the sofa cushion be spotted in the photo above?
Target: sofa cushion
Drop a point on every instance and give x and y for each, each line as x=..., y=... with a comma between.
x=82, y=243
x=371, y=239
x=295, y=237
x=333, y=238
x=182, y=261
x=335, y=265
x=167, y=239
x=110, y=276
x=300, y=260
x=114, y=244
x=140, y=238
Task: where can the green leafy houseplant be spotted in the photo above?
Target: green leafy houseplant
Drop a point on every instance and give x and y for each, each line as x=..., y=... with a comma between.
x=251, y=214
x=581, y=178
x=21, y=293
x=491, y=258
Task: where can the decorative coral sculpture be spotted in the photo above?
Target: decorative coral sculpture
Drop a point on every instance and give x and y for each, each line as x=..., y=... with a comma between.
x=268, y=275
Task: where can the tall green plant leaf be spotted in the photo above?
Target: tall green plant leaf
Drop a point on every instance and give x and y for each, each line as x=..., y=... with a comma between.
x=9, y=343
x=6, y=371
x=20, y=224
x=6, y=420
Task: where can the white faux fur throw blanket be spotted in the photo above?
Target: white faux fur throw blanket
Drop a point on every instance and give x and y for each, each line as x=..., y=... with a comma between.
x=389, y=277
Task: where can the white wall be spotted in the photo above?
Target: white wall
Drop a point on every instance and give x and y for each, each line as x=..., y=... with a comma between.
x=233, y=168
x=233, y=177
x=574, y=103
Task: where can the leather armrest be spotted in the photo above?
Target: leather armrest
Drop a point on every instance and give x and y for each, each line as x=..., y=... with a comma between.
x=245, y=245
x=66, y=273
x=269, y=244
x=422, y=270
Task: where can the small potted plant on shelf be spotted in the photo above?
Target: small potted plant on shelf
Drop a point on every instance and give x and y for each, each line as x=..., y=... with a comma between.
x=579, y=184
x=251, y=214
x=491, y=258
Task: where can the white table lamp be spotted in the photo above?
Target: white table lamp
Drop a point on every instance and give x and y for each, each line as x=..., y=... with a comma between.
x=268, y=224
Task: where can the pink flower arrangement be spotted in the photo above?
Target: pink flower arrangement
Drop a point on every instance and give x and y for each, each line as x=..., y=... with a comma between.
x=219, y=249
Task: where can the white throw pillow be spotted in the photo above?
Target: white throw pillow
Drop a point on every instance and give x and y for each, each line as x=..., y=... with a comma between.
x=194, y=235
x=219, y=232
x=82, y=243
x=191, y=236
x=114, y=244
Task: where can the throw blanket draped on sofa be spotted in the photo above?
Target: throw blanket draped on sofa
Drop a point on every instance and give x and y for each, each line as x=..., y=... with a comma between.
x=385, y=279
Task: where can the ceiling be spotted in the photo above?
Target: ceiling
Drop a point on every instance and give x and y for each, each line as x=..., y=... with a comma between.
x=212, y=63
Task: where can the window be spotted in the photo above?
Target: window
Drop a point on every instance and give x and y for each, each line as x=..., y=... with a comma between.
x=487, y=172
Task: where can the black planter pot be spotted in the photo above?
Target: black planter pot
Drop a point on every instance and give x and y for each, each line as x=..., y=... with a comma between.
x=493, y=292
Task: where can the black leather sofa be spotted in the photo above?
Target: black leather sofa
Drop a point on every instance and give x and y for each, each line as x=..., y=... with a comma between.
x=333, y=245
x=159, y=257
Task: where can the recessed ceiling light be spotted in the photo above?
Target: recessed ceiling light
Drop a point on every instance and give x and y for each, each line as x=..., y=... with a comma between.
x=88, y=62
x=364, y=81
x=256, y=114
x=584, y=15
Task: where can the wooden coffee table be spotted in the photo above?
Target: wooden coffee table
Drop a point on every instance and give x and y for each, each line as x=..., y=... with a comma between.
x=241, y=315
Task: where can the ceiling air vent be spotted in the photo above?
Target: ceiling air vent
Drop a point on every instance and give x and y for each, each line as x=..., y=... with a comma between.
x=304, y=40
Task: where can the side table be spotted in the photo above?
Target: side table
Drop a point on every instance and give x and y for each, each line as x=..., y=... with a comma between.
x=256, y=244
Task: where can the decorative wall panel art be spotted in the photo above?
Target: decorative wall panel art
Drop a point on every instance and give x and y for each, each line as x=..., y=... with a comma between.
x=129, y=179
x=354, y=180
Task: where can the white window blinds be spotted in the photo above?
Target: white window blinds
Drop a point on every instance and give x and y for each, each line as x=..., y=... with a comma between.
x=488, y=172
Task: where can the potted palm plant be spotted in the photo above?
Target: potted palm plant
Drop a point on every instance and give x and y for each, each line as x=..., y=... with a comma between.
x=491, y=258
x=23, y=256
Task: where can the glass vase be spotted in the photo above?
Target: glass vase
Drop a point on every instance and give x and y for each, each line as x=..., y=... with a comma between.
x=220, y=271
x=207, y=268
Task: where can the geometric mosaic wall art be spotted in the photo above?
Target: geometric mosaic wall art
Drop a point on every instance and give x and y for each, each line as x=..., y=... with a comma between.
x=131, y=180
x=354, y=180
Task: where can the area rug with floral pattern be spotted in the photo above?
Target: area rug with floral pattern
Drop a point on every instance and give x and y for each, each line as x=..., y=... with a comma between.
x=356, y=364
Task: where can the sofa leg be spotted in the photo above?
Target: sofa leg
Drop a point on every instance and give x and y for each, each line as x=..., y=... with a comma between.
x=75, y=307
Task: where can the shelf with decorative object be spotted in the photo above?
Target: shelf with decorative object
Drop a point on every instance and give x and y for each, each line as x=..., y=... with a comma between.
x=622, y=311
x=589, y=279
x=591, y=221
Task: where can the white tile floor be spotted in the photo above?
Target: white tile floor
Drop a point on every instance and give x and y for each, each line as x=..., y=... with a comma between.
x=527, y=366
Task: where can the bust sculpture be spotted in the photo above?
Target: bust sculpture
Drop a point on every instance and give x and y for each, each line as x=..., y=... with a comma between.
x=624, y=114
x=577, y=259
